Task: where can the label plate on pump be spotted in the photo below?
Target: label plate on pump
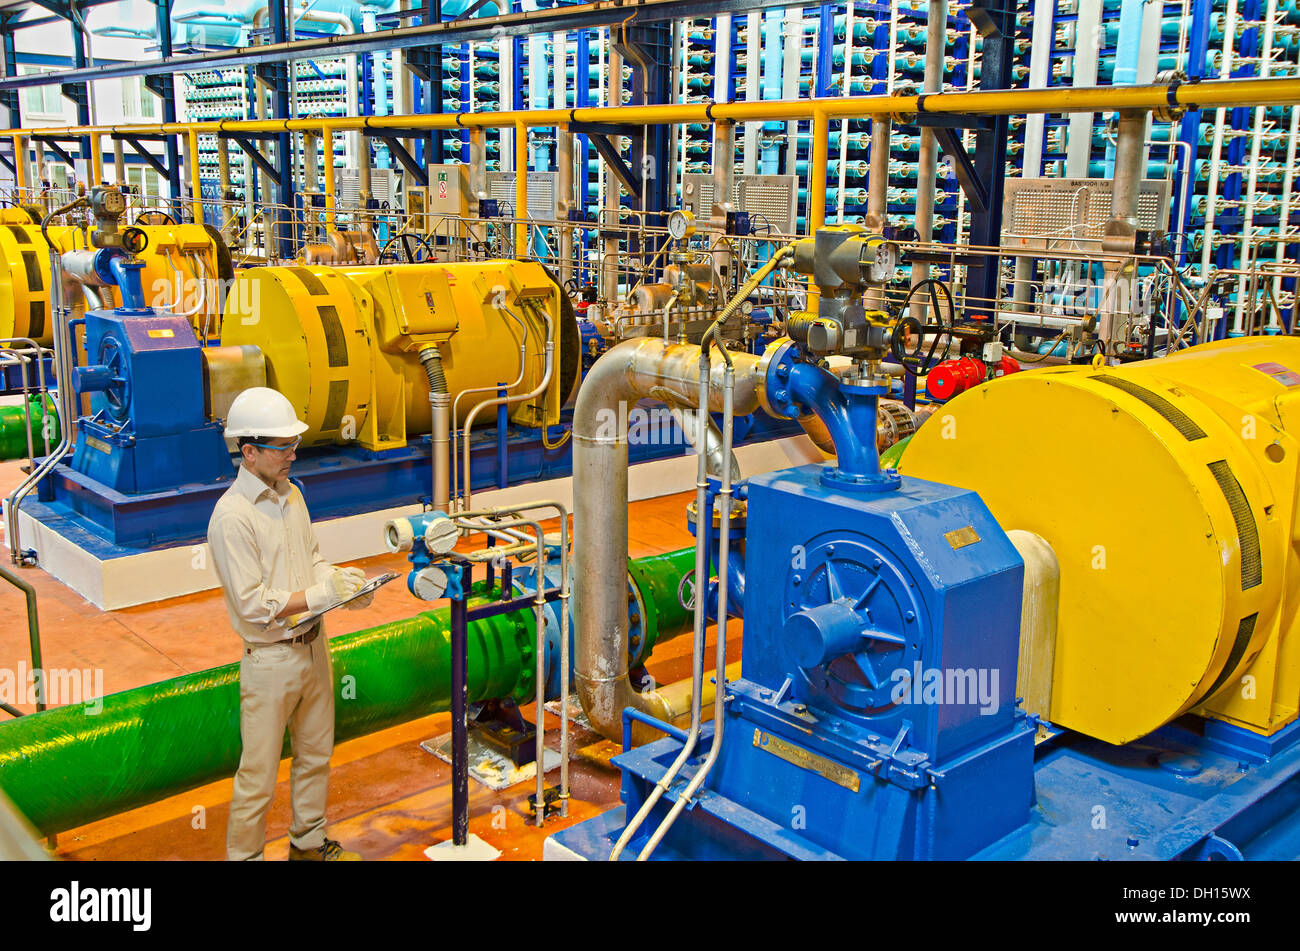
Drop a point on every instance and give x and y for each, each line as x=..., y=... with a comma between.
x=798, y=756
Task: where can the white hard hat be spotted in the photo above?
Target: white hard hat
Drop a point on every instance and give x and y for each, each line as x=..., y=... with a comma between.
x=262, y=411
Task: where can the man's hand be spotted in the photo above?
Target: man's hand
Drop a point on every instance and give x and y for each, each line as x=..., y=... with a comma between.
x=358, y=576
x=339, y=585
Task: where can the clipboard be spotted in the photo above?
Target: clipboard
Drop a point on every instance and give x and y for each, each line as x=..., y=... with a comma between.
x=370, y=587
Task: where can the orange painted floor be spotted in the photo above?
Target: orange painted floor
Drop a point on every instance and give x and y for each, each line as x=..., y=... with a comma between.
x=389, y=799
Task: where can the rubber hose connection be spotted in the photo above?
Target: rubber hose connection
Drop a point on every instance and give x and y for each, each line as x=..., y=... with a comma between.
x=431, y=358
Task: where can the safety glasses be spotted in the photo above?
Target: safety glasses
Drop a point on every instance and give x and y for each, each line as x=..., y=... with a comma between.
x=289, y=448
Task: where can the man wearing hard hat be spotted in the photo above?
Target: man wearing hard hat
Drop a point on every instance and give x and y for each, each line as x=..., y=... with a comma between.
x=272, y=573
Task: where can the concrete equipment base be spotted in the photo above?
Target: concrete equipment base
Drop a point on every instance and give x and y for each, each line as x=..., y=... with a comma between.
x=474, y=850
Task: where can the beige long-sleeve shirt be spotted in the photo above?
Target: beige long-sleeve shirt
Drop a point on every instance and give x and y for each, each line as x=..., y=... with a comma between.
x=264, y=550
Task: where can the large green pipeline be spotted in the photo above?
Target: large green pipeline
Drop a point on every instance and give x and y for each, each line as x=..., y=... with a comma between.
x=13, y=428
x=76, y=764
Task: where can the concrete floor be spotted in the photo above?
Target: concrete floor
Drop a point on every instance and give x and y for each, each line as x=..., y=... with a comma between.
x=389, y=799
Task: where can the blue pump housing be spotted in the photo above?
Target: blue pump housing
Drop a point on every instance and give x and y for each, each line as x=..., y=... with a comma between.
x=878, y=699
x=877, y=717
x=148, y=428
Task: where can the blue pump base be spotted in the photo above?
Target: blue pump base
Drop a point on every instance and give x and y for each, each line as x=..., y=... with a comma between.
x=1193, y=790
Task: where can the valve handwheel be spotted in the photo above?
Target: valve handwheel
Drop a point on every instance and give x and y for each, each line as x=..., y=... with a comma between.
x=154, y=218
x=911, y=329
x=134, y=240
x=411, y=244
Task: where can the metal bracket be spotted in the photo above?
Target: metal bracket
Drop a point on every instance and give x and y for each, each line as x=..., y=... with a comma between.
x=604, y=128
x=993, y=17
x=256, y=154
x=976, y=191
x=145, y=154
x=472, y=9
x=157, y=84
x=52, y=144
x=274, y=75
x=76, y=93
x=626, y=176
x=419, y=60
x=421, y=175
x=950, y=120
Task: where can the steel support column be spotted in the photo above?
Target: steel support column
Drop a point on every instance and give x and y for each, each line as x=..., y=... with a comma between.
x=163, y=85
x=996, y=22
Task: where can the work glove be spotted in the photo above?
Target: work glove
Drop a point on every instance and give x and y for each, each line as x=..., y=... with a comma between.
x=359, y=577
x=339, y=585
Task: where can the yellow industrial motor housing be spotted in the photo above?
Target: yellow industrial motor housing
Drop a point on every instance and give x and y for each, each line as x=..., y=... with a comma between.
x=1167, y=490
x=343, y=343
x=183, y=267
x=25, y=275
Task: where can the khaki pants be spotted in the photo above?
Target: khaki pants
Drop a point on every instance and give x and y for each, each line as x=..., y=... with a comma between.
x=290, y=685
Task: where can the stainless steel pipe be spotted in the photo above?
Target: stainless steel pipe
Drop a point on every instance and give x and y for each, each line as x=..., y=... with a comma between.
x=627, y=372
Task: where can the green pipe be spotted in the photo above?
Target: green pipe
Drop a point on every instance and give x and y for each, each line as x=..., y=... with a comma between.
x=892, y=456
x=657, y=578
x=33, y=632
x=13, y=428
x=76, y=764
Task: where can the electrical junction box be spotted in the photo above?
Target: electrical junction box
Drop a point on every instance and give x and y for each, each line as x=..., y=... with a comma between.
x=417, y=208
x=447, y=195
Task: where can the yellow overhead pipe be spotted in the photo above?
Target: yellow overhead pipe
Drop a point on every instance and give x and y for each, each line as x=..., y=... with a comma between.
x=1205, y=94
x=817, y=196
x=1210, y=93
x=20, y=161
x=96, y=160
x=327, y=169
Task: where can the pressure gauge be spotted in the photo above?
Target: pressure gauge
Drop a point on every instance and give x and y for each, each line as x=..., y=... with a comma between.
x=747, y=307
x=681, y=224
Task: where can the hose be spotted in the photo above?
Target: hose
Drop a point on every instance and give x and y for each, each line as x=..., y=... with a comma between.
x=740, y=297
x=431, y=359
x=81, y=202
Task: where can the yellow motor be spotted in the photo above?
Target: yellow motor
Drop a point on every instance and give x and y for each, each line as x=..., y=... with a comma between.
x=343, y=343
x=1167, y=490
x=183, y=265
x=25, y=275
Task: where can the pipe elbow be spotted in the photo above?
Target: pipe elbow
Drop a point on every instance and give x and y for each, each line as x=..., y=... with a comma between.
x=604, y=699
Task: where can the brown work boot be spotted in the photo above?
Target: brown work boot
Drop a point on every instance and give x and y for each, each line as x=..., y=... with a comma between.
x=331, y=851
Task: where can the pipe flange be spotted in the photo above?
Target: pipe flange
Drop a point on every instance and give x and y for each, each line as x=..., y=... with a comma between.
x=773, y=370
x=907, y=91
x=886, y=480
x=1171, y=78
x=736, y=519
